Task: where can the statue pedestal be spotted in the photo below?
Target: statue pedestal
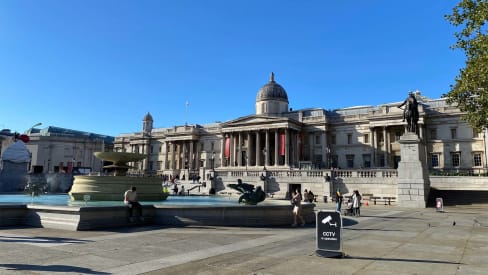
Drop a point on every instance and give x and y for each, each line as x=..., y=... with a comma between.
x=413, y=177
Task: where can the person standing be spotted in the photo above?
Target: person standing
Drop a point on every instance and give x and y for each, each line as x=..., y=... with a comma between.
x=130, y=199
x=339, y=199
x=296, y=201
x=356, y=203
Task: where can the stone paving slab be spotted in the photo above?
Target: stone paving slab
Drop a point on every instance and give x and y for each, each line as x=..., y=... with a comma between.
x=384, y=240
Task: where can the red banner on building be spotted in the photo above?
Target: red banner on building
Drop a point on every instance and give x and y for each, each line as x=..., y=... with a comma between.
x=282, y=144
x=227, y=148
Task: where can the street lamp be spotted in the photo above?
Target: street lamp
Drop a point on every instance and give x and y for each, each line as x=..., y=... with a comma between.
x=30, y=129
x=328, y=157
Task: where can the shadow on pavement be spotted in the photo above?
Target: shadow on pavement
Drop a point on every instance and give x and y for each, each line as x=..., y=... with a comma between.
x=40, y=240
x=51, y=268
x=399, y=260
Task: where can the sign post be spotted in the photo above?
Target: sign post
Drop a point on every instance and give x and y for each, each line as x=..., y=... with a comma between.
x=329, y=231
x=439, y=205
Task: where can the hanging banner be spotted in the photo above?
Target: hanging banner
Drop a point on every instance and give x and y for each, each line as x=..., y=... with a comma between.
x=227, y=147
x=282, y=144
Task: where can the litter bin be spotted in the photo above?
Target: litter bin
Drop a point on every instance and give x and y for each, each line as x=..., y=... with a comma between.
x=325, y=198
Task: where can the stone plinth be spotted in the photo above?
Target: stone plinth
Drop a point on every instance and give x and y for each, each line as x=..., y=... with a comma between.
x=413, y=177
x=13, y=177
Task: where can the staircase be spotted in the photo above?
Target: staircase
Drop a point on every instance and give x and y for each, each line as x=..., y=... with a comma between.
x=458, y=197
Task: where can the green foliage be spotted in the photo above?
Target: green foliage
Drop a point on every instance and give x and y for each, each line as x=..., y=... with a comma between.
x=470, y=92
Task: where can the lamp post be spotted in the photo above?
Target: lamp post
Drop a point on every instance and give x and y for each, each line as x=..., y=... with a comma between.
x=30, y=129
x=484, y=145
x=328, y=157
x=264, y=177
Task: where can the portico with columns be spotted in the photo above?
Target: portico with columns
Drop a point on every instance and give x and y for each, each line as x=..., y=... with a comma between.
x=261, y=141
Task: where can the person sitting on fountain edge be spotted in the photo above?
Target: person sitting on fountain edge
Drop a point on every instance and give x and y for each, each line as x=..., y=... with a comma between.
x=130, y=199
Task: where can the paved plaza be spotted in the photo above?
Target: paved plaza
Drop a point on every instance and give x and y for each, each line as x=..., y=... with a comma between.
x=384, y=240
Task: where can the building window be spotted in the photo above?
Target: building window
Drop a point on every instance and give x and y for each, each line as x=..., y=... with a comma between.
x=335, y=161
x=159, y=165
x=398, y=135
x=434, y=160
x=367, y=160
x=456, y=159
x=151, y=165
x=333, y=139
x=433, y=133
x=212, y=145
x=477, y=159
x=476, y=134
x=382, y=160
x=366, y=138
x=152, y=149
x=317, y=139
x=350, y=161
x=453, y=133
x=349, y=138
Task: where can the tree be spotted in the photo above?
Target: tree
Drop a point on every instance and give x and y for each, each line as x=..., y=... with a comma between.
x=470, y=91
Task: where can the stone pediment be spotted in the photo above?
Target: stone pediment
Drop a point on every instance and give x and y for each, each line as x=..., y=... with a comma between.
x=256, y=122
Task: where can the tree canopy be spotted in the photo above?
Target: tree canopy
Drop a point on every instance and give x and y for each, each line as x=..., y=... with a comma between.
x=470, y=91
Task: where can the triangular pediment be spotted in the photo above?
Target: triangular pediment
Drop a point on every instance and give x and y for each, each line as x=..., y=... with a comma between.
x=254, y=119
x=257, y=122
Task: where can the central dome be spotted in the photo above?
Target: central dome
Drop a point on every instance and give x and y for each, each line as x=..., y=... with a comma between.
x=272, y=99
x=272, y=91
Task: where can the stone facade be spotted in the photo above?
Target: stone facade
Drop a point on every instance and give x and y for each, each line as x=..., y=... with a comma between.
x=280, y=139
x=55, y=149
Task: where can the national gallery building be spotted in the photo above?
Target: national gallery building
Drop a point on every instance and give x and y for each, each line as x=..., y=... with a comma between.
x=300, y=148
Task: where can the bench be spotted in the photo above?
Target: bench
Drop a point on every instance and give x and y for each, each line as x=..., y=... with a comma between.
x=374, y=199
x=366, y=196
x=389, y=200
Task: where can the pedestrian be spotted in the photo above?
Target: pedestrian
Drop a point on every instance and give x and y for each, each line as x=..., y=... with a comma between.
x=356, y=203
x=296, y=201
x=310, y=196
x=175, y=189
x=339, y=199
x=130, y=199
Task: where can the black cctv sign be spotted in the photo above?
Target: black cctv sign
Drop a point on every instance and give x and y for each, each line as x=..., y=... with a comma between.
x=329, y=226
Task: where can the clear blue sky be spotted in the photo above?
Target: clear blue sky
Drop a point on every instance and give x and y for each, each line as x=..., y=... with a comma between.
x=100, y=65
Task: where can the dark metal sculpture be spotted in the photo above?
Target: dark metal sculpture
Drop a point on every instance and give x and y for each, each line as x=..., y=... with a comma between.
x=410, y=112
x=249, y=195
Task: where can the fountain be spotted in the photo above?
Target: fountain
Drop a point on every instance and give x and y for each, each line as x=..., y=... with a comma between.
x=107, y=209
x=112, y=187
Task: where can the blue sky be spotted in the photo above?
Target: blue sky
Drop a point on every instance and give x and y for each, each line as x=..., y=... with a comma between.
x=100, y=65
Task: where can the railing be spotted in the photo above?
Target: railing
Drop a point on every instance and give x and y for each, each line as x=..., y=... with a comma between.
x=473, y=172
x=373, y=173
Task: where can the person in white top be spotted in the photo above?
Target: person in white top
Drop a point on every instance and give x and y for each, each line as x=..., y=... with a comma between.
x=130, y=199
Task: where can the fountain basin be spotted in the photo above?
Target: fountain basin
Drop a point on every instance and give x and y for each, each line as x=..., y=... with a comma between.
x=112, y=188
x=270, y=213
